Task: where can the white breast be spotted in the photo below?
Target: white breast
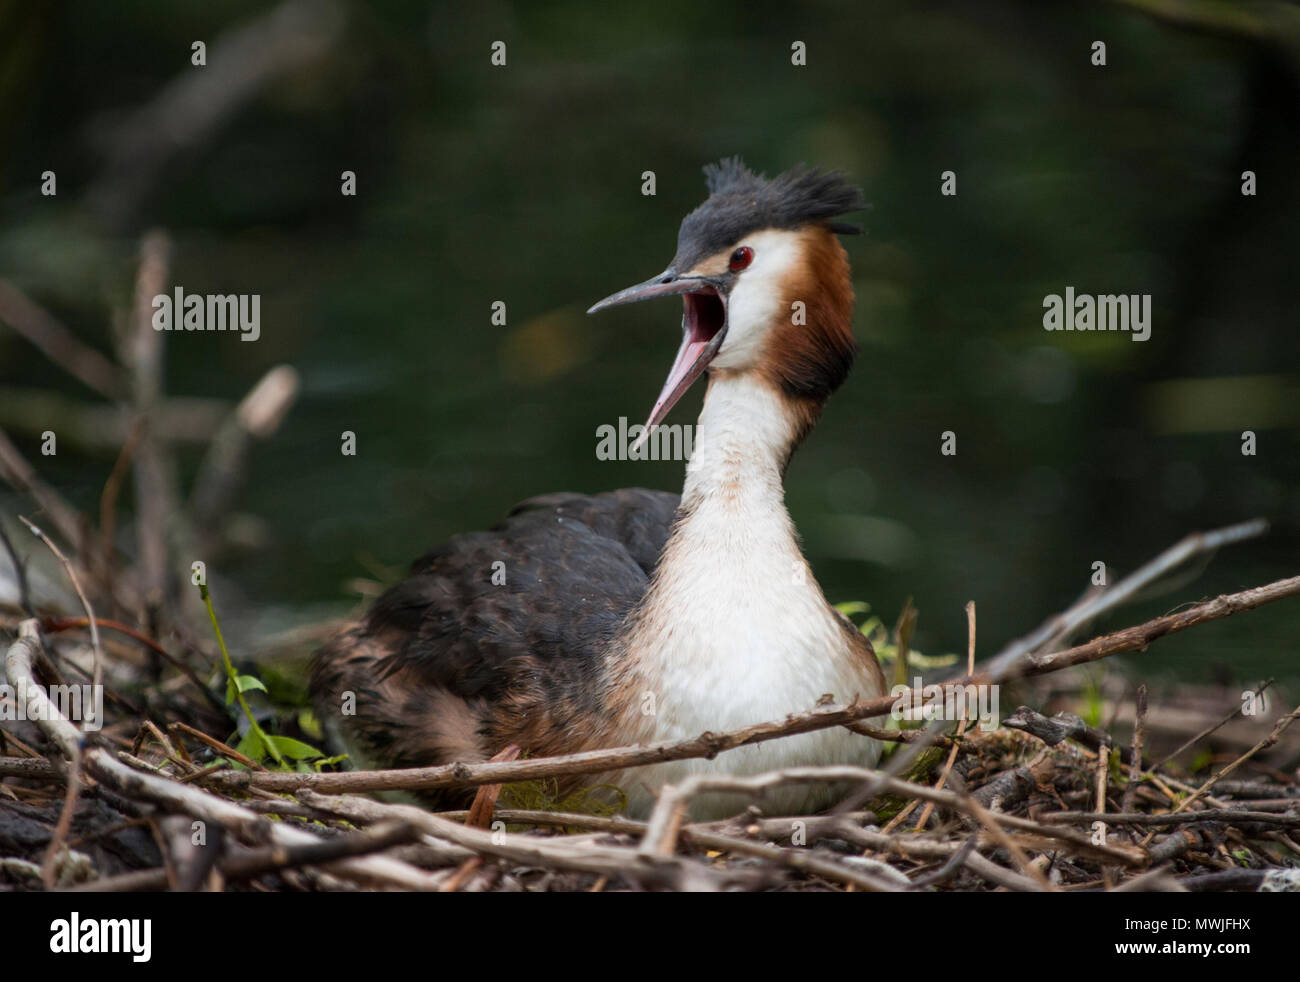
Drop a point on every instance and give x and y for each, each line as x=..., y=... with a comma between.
x=735, y=629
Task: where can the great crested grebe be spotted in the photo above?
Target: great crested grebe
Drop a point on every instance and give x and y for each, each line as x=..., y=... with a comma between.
x=633, y=615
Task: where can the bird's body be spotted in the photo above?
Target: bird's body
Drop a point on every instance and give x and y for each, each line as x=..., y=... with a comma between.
x=597, y=621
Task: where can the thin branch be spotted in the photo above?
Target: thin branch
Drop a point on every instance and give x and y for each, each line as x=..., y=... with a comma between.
x=20, y=574
x=1234, y=815
x=961, y=725
x=179, y=797
x=1094, y=604
x=98, y=664
x=1268, y=741
x=674, y=871
x=1206, y=732
x=1135, y=754
x=57, y=343
x=711, y=744
x=22, y=477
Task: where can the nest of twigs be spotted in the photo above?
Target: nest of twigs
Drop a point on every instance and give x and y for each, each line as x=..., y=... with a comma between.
x=159, y=799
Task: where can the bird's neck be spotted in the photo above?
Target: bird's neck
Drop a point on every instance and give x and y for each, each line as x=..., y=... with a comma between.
x=746, y=433
x=732, y=529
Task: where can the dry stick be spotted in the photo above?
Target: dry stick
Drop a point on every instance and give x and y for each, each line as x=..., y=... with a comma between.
x=217, y=745
x=950, y=867
x=1135, y=762
x=60, y=834
x=882, y=878
x=1176, y=818
x=1139, y=637
x=8, y=739
x=924, y=849
x=480, y=817
x=222, y=472
x=20, y=574
x=1103, y=774
x=485, y=801
x=55, y=624
x=149, y=727
x=189, y=109
x=98, y=673
x=1205, y=732
x=711, y=744
x=1065, y=726
x=31, y=768
x=71, y=525
x=57, y=343
x=1093, y=605
x=961, y=725
x=706, y=836
x=1268, y=741
x=140, y=349
x=985, y=818
x=713, y=836
x=108, y=499
x=22, y=477
x=608, y=860
x=665, y=820
x=269, y=859
x=180, y=797
x=1009, y=663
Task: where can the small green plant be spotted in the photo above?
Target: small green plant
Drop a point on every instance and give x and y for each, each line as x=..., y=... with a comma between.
x=895, y=649
x=1093, y=702
x=287, y=753
x=886, y=646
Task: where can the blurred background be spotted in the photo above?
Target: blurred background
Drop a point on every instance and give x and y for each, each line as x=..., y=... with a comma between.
x=522, y=183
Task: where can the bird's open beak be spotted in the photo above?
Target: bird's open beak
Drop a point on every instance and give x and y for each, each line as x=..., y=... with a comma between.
x=704, y=326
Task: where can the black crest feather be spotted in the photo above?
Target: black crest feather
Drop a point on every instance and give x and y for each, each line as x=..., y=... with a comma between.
x=741, y=202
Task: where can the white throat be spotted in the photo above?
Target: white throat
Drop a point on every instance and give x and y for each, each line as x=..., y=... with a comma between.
x=734, y=629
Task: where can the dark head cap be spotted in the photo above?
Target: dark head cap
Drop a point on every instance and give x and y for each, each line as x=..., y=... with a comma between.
x=741, y=202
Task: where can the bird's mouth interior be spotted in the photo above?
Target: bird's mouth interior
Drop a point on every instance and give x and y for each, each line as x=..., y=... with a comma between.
x=705, y=315
x=704, y=327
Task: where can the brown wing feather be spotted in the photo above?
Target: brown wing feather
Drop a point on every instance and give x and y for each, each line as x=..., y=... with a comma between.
x=453, y=664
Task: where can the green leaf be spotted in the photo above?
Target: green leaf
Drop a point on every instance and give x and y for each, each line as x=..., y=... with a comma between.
x=249, y=682
x=251, y=746
x=294, y=749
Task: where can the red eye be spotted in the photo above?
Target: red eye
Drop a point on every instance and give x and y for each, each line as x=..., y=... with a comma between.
x=741, y=258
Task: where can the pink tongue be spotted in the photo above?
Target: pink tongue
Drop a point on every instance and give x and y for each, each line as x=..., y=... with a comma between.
x=686, y=369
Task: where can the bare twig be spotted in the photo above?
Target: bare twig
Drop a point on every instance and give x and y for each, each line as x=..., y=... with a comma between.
x=1207, y=731
x=1236, y=815
x=190, y=108
x=98, y=671
x=57, y=343
x=184, y=798
x=22, y=477
x=674, y=871
x=1135, y=755
x=711, y=744
x=258, y=415
x=55, y=624
x=961, y=725
x=1094, y=604
x=20, y=573
x=48, y=871
x=1268, y=741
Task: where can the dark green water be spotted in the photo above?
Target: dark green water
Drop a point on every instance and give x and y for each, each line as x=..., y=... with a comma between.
x=522, y=184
